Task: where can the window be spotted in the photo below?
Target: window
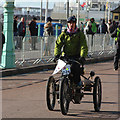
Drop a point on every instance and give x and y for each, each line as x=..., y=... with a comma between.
x=116, y=17
x=94, y=5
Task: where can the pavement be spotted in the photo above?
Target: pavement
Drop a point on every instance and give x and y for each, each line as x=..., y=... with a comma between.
x=41, y=67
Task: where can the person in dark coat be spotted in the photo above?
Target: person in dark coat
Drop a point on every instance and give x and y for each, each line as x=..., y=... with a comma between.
x=116, y=34
x=15, y=30
x=113, y=27
x=103, y=27
x=33, y=27
x=15, y=26
x=21, y=31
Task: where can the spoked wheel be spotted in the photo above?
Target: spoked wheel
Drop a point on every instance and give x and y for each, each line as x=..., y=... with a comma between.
x=64, y=96
x=97, y=94
x=50, y=93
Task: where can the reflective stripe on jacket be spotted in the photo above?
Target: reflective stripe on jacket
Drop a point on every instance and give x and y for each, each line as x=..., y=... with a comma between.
x=118, y=31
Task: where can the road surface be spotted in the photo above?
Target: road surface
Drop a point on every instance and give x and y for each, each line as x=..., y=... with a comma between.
x=24, y=96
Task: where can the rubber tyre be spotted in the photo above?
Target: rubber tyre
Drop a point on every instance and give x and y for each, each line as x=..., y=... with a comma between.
x=51, y=93
x=64, y=102
x=97, y=94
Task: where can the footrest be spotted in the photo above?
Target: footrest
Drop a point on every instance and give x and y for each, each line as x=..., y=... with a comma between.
x=87, y=88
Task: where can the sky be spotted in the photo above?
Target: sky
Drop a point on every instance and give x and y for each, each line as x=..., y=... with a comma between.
x=36, y=3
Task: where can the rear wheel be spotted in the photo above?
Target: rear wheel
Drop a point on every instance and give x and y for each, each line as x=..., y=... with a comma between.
x=64, y=96
x=97, y=94
x=50, y=93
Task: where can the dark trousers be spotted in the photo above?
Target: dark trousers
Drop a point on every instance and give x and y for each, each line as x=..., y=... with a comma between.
x=75, y=73
x=117, y=55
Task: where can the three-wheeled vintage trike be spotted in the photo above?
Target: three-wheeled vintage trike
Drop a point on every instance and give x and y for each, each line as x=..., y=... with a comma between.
x=64, y=91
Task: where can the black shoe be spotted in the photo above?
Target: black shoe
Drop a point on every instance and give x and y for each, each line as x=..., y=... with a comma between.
x=116, y=68
x=116, y=65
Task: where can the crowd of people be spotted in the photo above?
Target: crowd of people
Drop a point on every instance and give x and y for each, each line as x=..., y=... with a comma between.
x=91, y=27
x=112, y=27
x=20, y=30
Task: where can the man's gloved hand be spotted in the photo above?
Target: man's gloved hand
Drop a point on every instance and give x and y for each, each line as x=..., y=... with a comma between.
x=82, y=60
x=56, y=58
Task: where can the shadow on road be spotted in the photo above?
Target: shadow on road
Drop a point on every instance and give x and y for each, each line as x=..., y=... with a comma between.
x=101, y=102
x=90, y=113
x=101, y=114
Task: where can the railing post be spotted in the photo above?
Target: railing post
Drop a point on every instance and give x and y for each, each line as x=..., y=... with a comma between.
x=24, y=48
x=41, y=47
x=39, y=30
x=103, y=42
x=56, y=27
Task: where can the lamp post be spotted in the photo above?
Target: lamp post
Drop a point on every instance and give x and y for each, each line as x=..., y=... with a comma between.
x=88, y=9
x=67, y=9
x=78, y=13
x=8, y=56
x=106, y=12
x=28, y=11
x=46, y=11
x=41, y=12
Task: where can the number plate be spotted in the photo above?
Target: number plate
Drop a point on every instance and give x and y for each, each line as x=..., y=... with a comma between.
x=66, y=70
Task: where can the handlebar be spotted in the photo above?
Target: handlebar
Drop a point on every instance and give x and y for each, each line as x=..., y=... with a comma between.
x=69, y=60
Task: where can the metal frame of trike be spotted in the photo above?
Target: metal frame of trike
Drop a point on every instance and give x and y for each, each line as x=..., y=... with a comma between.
x=88, y=83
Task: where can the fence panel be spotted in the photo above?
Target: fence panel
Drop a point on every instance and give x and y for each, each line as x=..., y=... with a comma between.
x=33, y=50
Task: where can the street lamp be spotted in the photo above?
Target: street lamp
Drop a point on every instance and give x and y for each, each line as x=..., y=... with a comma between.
x=8, y=56
x=28, y=11
x=71, y=9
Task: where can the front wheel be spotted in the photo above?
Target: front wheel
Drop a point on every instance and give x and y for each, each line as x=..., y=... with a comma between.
x=50, y=93
x=64, y=96
x=97, y=94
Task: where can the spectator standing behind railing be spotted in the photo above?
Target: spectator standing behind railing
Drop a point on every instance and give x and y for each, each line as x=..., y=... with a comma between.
x=21, y=31
x=113, y=27
x=48, y=31
x=103, y=30
x=110, y=38
x=109, y=24
x=33, y=27
x=103, y=27
x=15, y=26
x=15, y=31
x=116, y=34
x=91, y=28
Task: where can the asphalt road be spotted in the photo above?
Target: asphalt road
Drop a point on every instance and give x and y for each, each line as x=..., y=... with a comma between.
x=24, y=96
